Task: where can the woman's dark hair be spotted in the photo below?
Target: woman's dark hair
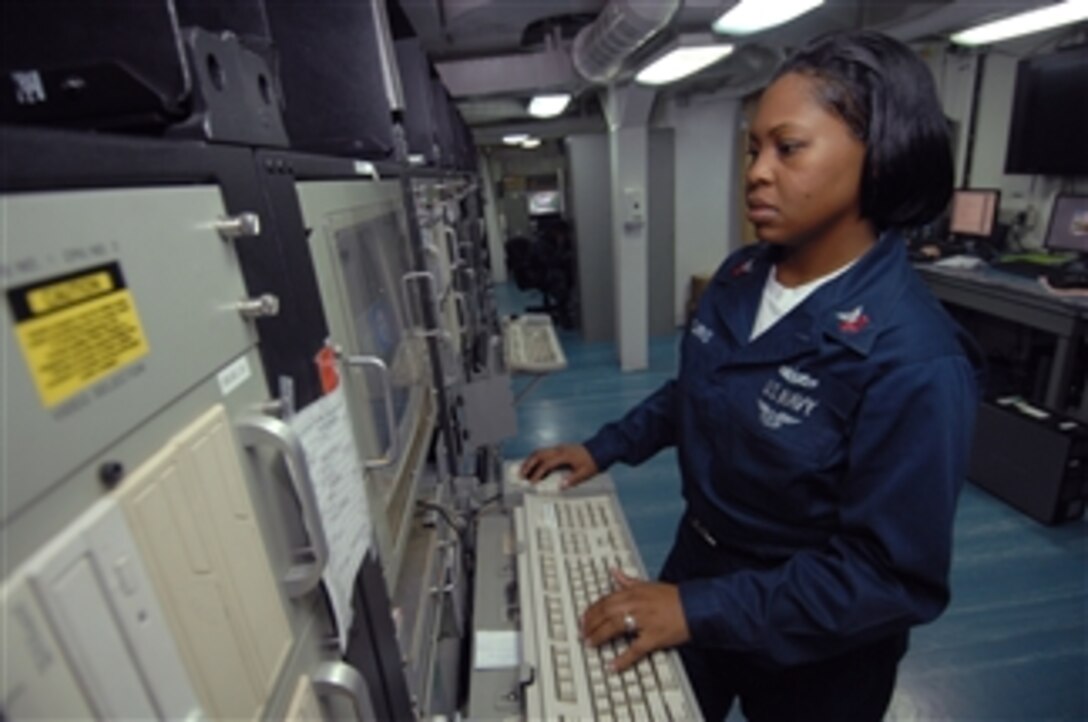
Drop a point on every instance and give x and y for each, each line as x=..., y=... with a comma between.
x=885, y=94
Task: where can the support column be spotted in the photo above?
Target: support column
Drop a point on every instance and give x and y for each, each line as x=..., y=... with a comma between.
x=628, y=111
x=495, y=239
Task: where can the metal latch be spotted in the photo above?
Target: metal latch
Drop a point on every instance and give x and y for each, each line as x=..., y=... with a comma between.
x=261, y=307
x=239, y=226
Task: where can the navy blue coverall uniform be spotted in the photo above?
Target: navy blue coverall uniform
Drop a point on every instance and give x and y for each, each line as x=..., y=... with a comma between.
x=821, y=463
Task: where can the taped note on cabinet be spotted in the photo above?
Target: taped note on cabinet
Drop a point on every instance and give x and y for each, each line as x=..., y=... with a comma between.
x=325, y=432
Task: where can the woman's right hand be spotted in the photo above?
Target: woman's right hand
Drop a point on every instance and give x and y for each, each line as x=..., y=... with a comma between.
x=575, y=457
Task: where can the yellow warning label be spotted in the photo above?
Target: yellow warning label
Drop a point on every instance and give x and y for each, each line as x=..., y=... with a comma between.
x=58, y=295
x=94, y=332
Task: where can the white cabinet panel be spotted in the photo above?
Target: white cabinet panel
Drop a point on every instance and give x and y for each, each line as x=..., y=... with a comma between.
x=194, y=521
x=85, y=635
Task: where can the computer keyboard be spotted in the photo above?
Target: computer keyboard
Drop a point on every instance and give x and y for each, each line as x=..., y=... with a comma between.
x=1066, y=279
x=566, y=548
x=1024, y=269
x=1062, y=276
x=531, y=344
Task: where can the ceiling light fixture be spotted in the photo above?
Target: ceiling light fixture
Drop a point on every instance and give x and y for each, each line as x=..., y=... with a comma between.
x=549, y=106
x=515, y=138
x=1032, y=21
x=751, y=16
x=683, y=57
x=530, y=143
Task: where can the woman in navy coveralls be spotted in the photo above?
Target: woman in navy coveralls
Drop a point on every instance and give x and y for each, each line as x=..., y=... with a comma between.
x=823, y=452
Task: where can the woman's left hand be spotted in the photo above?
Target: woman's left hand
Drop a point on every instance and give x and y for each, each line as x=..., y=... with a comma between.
x=654, y=608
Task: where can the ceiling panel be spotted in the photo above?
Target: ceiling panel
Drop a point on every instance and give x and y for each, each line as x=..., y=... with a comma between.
x=494, y=54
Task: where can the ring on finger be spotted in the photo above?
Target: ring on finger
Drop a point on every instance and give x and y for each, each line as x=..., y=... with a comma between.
x=629, y=623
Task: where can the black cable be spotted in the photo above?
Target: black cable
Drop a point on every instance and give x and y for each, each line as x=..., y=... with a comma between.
x=484, y=504
x=445, y=514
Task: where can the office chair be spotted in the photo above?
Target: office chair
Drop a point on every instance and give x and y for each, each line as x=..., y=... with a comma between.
x=519, y=261
x=543, y=265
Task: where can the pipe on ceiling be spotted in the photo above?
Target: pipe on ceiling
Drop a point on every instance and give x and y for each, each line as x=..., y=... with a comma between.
x=601, y=47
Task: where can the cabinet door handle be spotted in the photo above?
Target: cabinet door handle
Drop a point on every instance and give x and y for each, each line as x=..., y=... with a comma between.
x=437, y=332
x=461, y=304
x=434, y=250
x=259, y=430
x=427, y=278
x=337, y=679
x=393, y=452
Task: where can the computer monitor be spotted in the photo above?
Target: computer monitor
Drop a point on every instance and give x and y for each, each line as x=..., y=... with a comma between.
x=1046, y=127
x=974, y=212
x=545, y=203
x=1068, y=229
x=360, y=247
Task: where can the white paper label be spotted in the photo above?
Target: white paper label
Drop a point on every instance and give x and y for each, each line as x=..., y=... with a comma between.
x=234, y=375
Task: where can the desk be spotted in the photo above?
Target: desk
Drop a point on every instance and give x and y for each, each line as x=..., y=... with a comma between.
x=1026, y=302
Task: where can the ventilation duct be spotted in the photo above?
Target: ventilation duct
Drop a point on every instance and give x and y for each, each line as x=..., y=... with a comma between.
x=601, y=48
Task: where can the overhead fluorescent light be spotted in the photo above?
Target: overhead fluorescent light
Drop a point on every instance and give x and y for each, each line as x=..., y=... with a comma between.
x=751, y=16
x=681, y=61
x=515, y=138
x=548, y=106
x=530, y=143
x=1032, y=21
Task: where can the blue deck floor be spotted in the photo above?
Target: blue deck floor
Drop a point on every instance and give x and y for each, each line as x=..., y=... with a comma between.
x=1012, y=646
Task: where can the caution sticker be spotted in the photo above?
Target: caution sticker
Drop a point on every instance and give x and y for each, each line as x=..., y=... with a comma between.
x=76, y=329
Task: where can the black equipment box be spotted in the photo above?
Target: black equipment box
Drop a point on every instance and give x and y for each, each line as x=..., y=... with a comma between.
x=186, y=68
x=1031, y=458
x=333, y=73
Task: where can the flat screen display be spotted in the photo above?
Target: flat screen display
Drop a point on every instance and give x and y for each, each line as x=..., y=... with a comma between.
x=974, y=212
x=1068, y=229
x=542, y=203
x=1050, y=115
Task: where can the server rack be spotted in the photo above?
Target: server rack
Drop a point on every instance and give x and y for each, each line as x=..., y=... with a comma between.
x=424, y=567
x=158, y=226
x=217, y=79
